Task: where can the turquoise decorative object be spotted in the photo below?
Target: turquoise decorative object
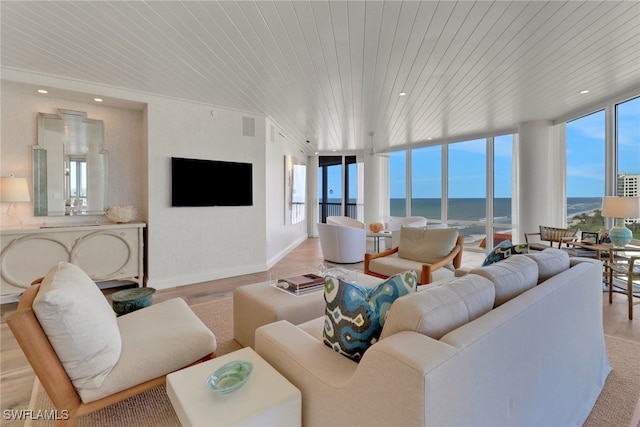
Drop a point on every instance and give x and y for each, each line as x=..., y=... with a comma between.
x=620, y=236
x=129, y=300
x=229, y=377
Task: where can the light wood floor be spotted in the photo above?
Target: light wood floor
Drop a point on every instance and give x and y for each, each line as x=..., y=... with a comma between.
x=16, y=376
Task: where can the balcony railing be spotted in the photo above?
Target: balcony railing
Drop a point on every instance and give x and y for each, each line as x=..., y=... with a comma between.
x=335, y=209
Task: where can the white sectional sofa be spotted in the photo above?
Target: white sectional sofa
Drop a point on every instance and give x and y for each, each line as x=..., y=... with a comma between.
x=517, y=343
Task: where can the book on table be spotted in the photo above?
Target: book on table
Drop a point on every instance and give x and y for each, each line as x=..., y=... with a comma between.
x=301, y=283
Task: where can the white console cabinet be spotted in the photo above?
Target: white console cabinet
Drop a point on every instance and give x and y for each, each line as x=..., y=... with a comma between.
x=105, y=252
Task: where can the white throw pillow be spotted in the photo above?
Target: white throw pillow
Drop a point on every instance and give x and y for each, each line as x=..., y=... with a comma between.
x=80, y=324
x=426, y=245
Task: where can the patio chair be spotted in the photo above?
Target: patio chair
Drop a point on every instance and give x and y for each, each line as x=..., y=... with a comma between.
x=551, y=235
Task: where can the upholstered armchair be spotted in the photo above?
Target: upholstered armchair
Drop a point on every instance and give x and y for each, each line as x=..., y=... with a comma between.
x=342, y=244
x=396, y=223
x=344, y=221
x=433, y=253
x=86, y=358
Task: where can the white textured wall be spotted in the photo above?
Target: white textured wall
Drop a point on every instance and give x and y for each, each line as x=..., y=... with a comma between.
x=195, y=244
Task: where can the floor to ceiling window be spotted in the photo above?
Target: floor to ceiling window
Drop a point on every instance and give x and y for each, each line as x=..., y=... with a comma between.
x=467, y=188
x=398, y=183
x=586, y=172
x=426, y=183
x=627, y=122
x=338, y=193
x=502, y=207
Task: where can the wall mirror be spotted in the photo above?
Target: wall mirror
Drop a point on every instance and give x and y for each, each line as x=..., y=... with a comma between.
x=70, y=165
x=295, y=197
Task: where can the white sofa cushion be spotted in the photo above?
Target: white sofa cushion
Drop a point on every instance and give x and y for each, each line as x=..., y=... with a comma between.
x=80, y=324
x=550, y=262
x=156, y=340
x=426, y=245
x=511, y=277
x=437, y=310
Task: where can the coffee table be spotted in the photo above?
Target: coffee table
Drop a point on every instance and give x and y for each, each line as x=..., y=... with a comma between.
x=266, y=399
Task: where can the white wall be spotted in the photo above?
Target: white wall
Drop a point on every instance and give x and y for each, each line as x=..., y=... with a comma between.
x=281, y=238
x=184, y=245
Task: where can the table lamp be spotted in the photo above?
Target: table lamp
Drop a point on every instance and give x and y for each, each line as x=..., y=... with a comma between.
x=13, y=190
x=620, y=208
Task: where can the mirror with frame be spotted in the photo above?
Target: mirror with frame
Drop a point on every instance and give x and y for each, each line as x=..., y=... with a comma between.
x=70, y=165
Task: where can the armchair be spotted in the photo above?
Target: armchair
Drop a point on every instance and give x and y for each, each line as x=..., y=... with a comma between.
x=345, y=221
x=342, y=245
x=433, y=253
x=396, y=223
x=86, y=358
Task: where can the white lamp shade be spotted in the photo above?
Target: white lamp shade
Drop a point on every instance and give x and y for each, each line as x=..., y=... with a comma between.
x=621, y=207
x=14, y=189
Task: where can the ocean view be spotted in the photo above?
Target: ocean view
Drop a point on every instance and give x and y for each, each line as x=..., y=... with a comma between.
x=474, y=209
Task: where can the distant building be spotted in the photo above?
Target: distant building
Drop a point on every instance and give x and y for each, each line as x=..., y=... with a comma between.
x=628, y=187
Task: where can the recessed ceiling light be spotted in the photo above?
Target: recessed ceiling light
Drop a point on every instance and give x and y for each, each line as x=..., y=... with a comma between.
x=42, y=91
x=97, y=99
x=584, y=91
x=402, y=93
x=429, y=139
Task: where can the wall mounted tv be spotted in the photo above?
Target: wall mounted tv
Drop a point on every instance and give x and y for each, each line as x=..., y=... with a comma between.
x=198, y=182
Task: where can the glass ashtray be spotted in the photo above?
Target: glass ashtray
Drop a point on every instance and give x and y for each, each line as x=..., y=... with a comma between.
x=229, y=377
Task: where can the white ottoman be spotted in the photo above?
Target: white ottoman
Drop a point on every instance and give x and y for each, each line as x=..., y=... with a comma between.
x=260, y=304
x=266, y=399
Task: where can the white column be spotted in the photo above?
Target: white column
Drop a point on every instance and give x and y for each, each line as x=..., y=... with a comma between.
x=312, y=196
x=541, y=166
x=376, y=188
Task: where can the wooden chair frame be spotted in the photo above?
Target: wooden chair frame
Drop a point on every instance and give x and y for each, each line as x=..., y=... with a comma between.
x=49, y=370
x=552, y=234
x=630, y=270
x=455, y=256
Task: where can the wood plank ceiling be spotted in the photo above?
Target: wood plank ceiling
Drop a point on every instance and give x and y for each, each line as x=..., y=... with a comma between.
x=331, y=71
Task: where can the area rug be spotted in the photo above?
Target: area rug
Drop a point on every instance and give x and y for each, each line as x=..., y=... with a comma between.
x=614, y=407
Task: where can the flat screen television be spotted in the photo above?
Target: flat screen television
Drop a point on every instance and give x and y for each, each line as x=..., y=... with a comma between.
x=199, y=182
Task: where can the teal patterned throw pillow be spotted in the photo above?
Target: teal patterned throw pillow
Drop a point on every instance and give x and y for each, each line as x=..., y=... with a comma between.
x=355, y=314
x=504, y=250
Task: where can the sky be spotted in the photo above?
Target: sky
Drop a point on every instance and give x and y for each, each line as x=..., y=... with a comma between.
x=585, y=160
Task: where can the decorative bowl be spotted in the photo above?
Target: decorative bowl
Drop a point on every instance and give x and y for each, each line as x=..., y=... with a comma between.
x=133, y=299
x=376, y=227
x=229, y=377
x=121, y=214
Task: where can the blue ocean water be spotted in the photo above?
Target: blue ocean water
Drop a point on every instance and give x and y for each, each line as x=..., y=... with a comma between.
x=475, y=209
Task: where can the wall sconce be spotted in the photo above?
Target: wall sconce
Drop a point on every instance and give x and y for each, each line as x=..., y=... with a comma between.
x=620, y=208
x=13, y=190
